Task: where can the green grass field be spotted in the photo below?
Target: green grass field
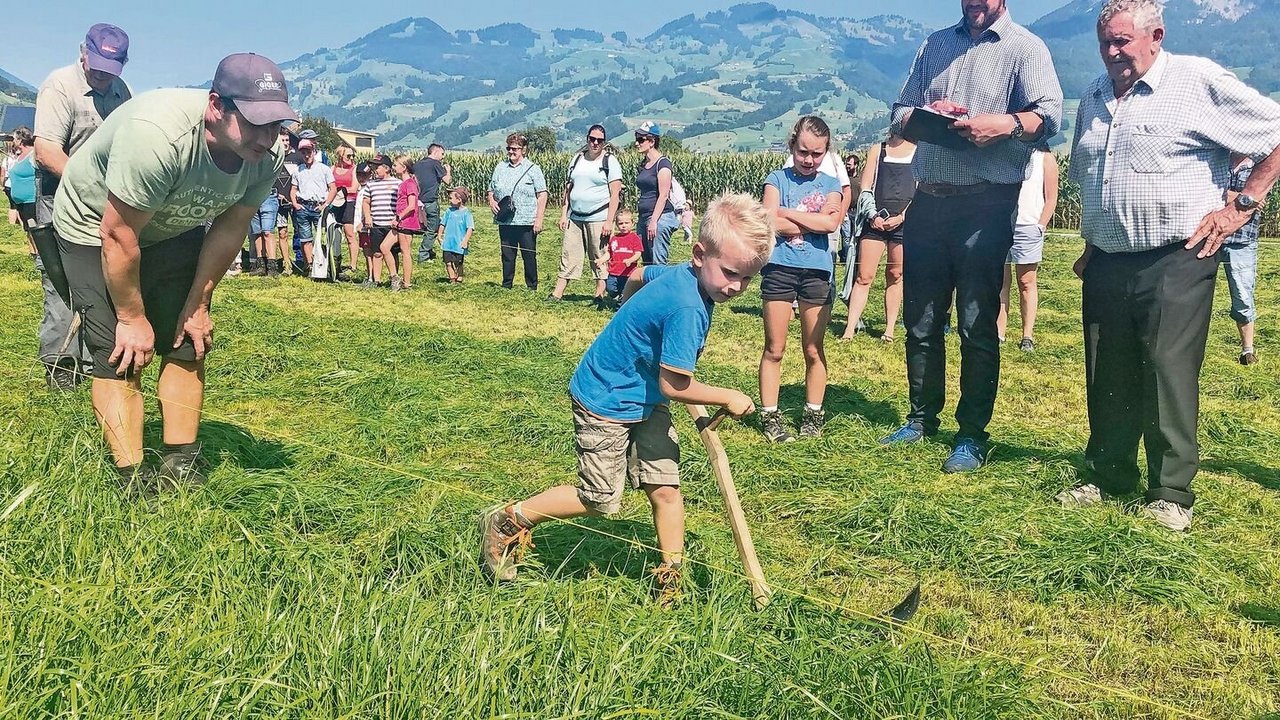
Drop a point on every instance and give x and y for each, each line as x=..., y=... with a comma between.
x=329, y=568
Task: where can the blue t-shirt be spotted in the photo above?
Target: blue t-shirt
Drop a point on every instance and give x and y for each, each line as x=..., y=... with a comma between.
x=665, y=324
x=456, y=223
x=22, y=180
x=811, y=250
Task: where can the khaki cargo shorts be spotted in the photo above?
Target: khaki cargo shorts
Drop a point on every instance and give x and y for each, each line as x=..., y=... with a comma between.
x=610, y=454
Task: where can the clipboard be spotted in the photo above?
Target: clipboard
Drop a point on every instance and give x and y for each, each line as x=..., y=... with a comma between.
x=925, y=125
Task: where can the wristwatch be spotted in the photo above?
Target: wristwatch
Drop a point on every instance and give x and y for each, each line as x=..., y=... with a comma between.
x=1246, y=203
x=1016, y=133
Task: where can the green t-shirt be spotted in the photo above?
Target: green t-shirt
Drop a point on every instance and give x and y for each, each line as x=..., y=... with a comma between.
x=151, y=154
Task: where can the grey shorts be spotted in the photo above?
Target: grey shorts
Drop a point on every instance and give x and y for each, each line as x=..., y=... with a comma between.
x=610, y=454
x=1028, y=245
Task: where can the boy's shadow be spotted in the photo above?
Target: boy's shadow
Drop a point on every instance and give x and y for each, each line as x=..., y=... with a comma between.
x=222, y=441
x=569, y=552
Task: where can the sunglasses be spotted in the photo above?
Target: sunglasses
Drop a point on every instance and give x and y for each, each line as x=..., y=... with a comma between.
x=513, y=148
x=594, y=140
x=644, y=138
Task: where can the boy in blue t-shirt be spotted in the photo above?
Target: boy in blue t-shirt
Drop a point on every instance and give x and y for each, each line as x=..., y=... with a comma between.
x=455, y=231
x=642, y=359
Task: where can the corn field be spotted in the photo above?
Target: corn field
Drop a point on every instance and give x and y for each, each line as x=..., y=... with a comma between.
x=706, y=176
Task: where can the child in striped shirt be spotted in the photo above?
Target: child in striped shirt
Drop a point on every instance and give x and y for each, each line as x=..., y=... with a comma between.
x=379, y=213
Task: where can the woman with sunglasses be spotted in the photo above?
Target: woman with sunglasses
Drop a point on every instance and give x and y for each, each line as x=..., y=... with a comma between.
x=520, y=179
x=344, y=176
x=586, y=218
x=658, y=219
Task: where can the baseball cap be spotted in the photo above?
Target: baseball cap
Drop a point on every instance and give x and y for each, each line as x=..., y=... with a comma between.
x=650, y=128
x=256, y=85
x=380, y=159
x=307, y=134
x=305, y=145
x=363, y=168
x=106, y=48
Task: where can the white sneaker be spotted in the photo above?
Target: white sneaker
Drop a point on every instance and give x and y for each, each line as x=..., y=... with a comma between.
x=1169, y=514
x=1080, y=495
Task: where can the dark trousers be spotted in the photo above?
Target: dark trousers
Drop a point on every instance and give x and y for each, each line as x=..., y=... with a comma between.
x=955, y=245
x=1146, y=319
x=430, y=228
x=522, y=238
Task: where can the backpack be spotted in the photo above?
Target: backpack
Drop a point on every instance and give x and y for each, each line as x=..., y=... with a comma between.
x=604, y=166
x=678, y=196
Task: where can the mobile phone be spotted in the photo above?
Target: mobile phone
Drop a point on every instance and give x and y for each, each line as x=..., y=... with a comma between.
x=883, y=214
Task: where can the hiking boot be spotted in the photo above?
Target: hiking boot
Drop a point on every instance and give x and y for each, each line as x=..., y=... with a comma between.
x=775, y=429
x=966, y=455
x=1169, y=514
x=1027, y=345
x=910, y=432
x=183, y=466
x=368, y=284
x=274, y=267
x=1081, y=495
x=668, y=584
x=811, y=423
x=62, y=378
x=142, y=482
x=396, y=283
x=1248, y=357
x=503, y=542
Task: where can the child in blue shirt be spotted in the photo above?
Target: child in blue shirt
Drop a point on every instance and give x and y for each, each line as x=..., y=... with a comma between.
x=807, y=205
x=643, y=359
x=455, y=231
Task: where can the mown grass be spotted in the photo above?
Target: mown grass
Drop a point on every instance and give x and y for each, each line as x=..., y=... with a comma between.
x=328, y=568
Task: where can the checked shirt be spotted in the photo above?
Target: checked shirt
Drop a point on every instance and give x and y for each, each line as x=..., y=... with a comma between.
x=1152, y=164
x=1007, y=70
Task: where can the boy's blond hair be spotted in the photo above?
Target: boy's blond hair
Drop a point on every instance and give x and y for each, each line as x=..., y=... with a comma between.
x=737, y=217
x=625, y=212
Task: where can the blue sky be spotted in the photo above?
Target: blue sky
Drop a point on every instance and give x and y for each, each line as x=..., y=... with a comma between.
x=180, y=43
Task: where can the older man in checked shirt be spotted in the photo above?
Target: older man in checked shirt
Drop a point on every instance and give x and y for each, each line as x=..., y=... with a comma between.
x=1152, y=154
x=998, y=81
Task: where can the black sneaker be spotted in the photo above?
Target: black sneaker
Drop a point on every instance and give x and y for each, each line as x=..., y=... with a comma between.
x=62, y=378
x=775, y=428
x=811, y=423
x=1248, y=357
x=1027, y=345
x=184, y=467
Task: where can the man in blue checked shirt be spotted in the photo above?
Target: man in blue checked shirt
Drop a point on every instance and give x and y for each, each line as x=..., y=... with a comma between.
x=1152, y=154
x=997, y=80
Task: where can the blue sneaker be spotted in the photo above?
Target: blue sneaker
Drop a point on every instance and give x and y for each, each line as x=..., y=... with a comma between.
x=910, y=432
x=966, y=456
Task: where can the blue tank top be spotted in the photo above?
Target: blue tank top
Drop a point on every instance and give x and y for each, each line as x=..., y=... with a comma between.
x=22, y=180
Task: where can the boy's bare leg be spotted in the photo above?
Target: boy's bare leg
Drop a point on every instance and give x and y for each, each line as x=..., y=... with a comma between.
x=558, y=503
x=181, y=392
x=668, y=520
x=118, y=405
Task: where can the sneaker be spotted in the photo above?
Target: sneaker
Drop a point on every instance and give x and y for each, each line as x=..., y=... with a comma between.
x=775, y=429
x=554, y=299
x=966, y=456
x=345, y=274
x=503, y=542
x=668, y=584
x=1027, y=345
x=368, y=284
x=185, y=467
x=1169, y=514
x=600, y=303
x=142, y=482
x=811, y=423
x=396, y=283
x=1248, y=357
x=1082, y=495
x=910, y=432
x=62, y=378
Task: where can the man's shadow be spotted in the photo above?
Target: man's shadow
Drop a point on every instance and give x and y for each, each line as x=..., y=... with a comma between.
x=1266, y=477
x=222, y=441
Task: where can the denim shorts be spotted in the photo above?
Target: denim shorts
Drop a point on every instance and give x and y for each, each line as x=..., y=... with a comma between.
x=264, y=221
x=1241, y=264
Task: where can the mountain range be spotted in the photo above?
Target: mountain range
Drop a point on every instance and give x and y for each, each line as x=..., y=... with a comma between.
x=729, y=80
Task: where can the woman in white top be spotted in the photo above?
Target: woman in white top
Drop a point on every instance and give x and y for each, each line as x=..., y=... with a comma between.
x=887, y=175
x=586, y=218
x=1036, y=204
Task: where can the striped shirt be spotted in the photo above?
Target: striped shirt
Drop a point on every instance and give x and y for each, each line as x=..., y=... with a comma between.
x=1006, y=70
x=382, y=200
x=1152, y=164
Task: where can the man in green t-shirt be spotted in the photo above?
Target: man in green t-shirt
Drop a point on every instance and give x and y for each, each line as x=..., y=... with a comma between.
x=149, y=214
